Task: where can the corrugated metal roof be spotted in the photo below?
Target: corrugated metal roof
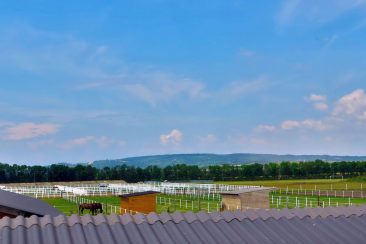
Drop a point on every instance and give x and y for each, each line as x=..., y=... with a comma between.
x=26, y=204
x=328, y=225
x=134, y=194
x=252, y=189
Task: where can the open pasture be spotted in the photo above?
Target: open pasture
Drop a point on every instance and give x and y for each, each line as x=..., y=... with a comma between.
x=309, y=184
x=165, y=203
x=197, y=197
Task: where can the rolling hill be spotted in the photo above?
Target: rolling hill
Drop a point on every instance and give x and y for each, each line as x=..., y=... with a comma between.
x=204, y=159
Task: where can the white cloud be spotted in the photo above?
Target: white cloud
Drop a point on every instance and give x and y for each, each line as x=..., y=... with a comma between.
x=50, y=52
x=208, y=139
x=246, y=53
x=265, y=128
x=81, y=141
x=315, y=12
x=6, y=124
x=314, y=124
x=307, y=124
x=102, y=142
x=163, y=88
x=240, y=88
x=317, y=98
x=160, y=88
x=319, y=101
x=352, y=105
x=290, y=124
x=174, y=137
x=142, y=92
x=321, y=106
x=288, y=11
x=26, y=131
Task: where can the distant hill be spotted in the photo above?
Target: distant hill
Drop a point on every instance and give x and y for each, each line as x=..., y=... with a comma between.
x=205, y=159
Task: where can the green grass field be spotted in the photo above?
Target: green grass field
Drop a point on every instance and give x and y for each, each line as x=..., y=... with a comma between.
x=326, y=184
x=62, y=205
x=171, y=203
x=279, y=201
x=184, y=203
x=166, y=203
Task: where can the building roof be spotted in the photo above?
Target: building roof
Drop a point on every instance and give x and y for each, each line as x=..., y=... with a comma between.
x=320, y=225
x=251, y=189
x=26, y=204
x=134, y=194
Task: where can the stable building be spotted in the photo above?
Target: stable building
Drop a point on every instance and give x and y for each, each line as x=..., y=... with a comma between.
x=256, y=197
x=141, y=202
x=13, y=205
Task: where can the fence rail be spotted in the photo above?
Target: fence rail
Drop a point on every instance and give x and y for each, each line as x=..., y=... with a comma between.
x=209, y=191
x=308, y=202
x=187, y=204
x=324, y=193
x=107, y=208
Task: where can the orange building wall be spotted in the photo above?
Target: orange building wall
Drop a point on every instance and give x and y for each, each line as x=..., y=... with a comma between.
x=142, y=204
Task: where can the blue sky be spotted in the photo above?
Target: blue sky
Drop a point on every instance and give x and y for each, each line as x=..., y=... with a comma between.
x=81, y=81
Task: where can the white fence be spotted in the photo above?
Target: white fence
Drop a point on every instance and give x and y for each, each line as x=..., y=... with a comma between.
x=107, y=208
x=176, y=204
x=210, y=191
x=35, y=191
x=308, y=202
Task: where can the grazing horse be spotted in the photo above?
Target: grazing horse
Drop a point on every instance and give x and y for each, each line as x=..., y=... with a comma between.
x=93, y=207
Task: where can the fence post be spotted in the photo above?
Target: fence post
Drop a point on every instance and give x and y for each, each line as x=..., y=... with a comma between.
x=306, y=201
x=296, y=202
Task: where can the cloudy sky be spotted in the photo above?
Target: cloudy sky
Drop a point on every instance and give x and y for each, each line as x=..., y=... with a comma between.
x=111, y=79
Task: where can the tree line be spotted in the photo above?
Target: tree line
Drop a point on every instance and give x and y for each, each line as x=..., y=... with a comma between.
x=181, y=172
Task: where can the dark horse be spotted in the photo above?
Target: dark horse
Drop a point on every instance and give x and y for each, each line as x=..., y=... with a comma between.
x=93, y=207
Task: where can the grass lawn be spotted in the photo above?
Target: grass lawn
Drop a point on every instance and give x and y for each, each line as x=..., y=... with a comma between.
x=112, y=200
x=184, y=203
x=326, y=184
x=166, y=203
x=279, y=201
x=62, y=205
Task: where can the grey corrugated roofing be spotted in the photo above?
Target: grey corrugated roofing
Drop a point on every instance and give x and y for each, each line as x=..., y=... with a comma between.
x=328, y=225
x=26, y=204
x=251, y=189
x=141, y=193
